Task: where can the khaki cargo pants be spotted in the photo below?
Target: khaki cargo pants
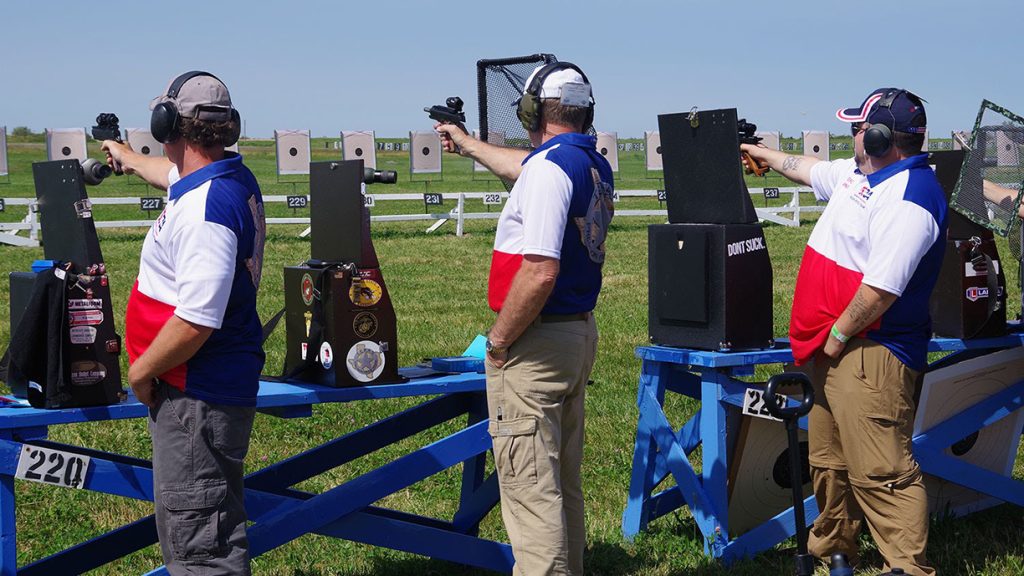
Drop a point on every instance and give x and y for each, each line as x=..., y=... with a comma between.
x=535, y=402
x=862, y=466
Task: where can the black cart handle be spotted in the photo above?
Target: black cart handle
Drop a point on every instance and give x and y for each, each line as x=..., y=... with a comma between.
x=771, y=401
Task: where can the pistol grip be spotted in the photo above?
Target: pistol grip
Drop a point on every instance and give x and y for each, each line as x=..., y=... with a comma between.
x=753, y=167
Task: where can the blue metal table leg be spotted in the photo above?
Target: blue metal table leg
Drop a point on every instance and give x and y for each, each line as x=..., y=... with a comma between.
x=635, y=517
x=8, y=533
x=291, y=521
x=715, y=465
x=471, y=511
x=689, y=482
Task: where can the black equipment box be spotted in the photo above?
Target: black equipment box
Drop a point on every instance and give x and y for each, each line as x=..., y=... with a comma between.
x=21, y=292
x=703, y=175
x=709, y=273
x=709, y=286
x=80, y=366
x=359, y=330
x=969, y=300
x=340, y=324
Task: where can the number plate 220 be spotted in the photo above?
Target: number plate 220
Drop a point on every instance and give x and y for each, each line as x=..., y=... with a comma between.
x=50, y=466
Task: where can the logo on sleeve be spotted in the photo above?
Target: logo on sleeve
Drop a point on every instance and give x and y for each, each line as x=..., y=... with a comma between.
x=594, y=226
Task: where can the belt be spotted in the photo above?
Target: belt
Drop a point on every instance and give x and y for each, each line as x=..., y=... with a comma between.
x=551, y=318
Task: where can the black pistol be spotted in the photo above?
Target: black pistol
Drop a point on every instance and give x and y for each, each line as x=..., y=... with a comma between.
x=746, y=132
x=450, y=113
x=108, y=128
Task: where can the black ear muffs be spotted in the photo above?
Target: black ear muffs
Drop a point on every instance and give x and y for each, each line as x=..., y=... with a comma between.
x=877, y=140
x=878, y=137
x=528, y=110
x=165, y=122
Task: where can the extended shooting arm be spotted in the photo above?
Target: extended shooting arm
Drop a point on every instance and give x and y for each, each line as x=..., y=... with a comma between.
x=153, y=169
x=505, y=163
x=795, y=167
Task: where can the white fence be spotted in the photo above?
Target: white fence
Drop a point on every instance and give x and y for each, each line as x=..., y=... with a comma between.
x=775, y=214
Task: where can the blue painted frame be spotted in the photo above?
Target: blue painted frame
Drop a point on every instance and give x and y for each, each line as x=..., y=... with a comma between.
x=712, y=377
x=279, y=512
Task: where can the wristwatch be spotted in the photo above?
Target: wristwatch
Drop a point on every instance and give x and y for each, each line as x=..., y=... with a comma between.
x=492, y=349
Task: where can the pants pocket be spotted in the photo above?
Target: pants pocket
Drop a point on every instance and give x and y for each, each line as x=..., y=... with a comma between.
x=193, y=519
x=230, y=429
x=515, y=450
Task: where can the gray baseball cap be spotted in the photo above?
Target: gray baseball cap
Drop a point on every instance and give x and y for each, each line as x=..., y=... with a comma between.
x=199, y=95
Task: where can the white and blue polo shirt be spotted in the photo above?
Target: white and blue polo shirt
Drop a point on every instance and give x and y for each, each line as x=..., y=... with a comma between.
x=886, y=230
x=201, y=261
x=560, y=207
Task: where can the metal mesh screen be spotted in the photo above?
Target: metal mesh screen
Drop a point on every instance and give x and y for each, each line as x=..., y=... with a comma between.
x=500, y=83
x=989, y=189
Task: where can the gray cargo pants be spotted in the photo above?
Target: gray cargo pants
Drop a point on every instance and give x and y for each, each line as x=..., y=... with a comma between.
x=198, y=449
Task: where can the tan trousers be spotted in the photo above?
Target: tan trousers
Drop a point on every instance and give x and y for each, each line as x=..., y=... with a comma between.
x=535, y=402
x=862, y=465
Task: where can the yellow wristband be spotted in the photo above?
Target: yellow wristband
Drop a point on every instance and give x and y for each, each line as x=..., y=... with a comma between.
x=843, y=338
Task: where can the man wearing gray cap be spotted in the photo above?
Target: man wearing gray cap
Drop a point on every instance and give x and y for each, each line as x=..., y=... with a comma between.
x=191, y=329
x=544, y=282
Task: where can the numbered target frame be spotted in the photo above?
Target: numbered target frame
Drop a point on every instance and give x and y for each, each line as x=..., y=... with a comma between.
x=816, y=144
x=424, y=153
x=652, y=151
x=4, y=168
x=293, y=153
x=66, y=144
x=359, y=145
x=608, y=146
x=142, y=141
x=769, y=138
x=493, y=137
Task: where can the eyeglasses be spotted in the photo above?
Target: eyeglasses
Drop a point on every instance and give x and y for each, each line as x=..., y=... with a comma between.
x=858, y=128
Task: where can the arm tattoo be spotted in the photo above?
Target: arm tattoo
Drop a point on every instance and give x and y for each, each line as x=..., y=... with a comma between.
x=860, y=311
x=790, y=163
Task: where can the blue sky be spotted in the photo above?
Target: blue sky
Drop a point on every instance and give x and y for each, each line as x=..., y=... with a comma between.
x=332, y=66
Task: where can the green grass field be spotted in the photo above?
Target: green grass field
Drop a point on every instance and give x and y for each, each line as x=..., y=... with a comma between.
x=438, y=284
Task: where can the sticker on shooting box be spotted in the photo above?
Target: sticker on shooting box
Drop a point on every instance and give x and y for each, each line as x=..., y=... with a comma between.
x=365, y=293
x=326, y=355
x=83, y=335
x=754, y=404
x=87, y=372
x=50, y=466
x=307, y=289
x=85, y=304
x=85, y=317
x=970, y=270
x=365, y=361
x=305, y=348
x=365, y=325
